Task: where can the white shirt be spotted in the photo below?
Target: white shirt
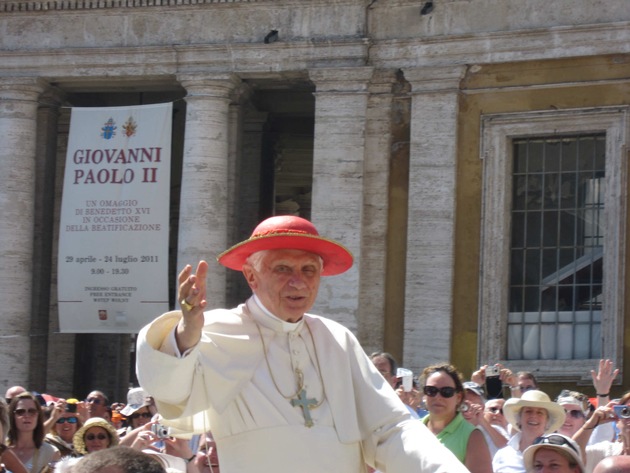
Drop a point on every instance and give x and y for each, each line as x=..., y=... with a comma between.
x=509, y=459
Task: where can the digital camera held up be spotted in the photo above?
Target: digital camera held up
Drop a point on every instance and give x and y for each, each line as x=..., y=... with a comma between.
x=161, y=431
x=494, y=370
x=622, y=411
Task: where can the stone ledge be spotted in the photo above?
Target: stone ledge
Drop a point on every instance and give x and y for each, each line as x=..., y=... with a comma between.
x=52, y=5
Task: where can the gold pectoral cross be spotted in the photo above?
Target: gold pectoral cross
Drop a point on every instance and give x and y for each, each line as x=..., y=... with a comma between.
x=304, y=403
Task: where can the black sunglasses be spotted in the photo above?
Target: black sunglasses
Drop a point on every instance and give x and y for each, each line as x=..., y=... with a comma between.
x=554, y=439
x=146, y=415
x=446, y=391
x=495, y=410
x=95, y=436
x=93, y=400
x=69, y=420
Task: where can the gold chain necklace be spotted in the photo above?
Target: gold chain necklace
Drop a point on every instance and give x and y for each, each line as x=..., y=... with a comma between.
x=299, y=398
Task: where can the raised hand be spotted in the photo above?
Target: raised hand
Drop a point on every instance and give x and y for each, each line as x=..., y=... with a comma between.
x=603, y=379
x=191, y=295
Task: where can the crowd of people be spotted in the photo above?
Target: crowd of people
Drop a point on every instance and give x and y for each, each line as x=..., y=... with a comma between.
x=519, y=429
x=268, y=386
x=44, y=434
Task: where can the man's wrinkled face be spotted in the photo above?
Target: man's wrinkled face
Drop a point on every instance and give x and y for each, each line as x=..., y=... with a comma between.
x=286, y=282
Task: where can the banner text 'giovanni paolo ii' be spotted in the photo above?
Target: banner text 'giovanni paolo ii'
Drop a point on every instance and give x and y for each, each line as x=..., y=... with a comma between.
x=113, y=233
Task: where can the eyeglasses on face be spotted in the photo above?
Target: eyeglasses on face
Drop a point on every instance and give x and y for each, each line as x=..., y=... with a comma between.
x=446, y=391
x=69, y=420
x=554, y=439
x=93, y=400
x=23, y=412
x=95, y=436
x=146, y=415
x=495, y=410
x=575, y=413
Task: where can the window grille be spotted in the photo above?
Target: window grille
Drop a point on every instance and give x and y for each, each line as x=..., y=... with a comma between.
x=556, y=250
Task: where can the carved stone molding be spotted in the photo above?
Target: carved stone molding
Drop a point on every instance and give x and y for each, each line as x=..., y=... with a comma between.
x=52, y=5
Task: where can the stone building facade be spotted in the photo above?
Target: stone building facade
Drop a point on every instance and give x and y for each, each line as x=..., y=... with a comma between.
x=394, y=125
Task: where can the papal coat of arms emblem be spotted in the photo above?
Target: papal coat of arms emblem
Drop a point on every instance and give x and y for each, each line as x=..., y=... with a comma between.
x=109, y=129
x=130, y=127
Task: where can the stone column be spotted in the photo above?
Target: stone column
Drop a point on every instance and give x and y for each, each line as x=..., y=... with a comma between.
x=431, y=225
x=62, y=359
x=383, y=246
x=45, y=172
x=248, y=189
x=18, y=128
x=204, y=196
x=338, y=172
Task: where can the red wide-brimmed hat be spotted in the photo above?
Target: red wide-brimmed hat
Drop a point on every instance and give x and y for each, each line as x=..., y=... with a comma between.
x=291, y=233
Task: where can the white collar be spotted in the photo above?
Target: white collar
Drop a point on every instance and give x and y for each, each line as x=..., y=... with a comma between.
x=286, y=326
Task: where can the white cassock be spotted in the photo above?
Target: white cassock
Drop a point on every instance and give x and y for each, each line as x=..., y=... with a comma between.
x=224, y=385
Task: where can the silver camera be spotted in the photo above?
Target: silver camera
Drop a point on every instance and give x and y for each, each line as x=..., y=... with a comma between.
x=492, y=371
x=622, y=411
x=160, y=431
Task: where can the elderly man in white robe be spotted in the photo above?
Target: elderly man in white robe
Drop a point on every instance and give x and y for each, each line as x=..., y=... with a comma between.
x=280, y=389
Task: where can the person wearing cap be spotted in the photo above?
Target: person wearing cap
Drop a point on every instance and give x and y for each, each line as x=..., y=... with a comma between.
x=66, y=424
x=553, y=453
x=138, y=411
x=531, y=416
x=577, y=409
x=474, y=399
x=268, y=375
x=96, y=434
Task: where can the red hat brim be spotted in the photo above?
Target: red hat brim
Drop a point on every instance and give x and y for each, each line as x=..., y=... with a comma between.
x=337, y=259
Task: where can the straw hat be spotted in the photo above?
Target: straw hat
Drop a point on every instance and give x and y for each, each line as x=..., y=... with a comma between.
x=291, y=233
x=534, y=398
x=79, y=437
x=137, y=398
x=553, y=442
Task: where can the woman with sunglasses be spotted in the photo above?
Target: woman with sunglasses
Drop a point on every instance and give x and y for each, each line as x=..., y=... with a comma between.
x=553, y=453
x=8, y=460
x=67, y=422
x=139, y=412
x=443, y=395
x=96, y=434
x=577, y=409
x=26, y=433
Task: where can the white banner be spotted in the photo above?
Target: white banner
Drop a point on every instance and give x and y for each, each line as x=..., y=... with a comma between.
x=113, y=233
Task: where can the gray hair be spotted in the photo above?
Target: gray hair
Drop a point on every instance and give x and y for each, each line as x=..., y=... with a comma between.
x=255, y=260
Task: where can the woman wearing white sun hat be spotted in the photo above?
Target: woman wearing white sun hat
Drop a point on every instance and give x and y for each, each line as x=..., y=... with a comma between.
x=532, y=415
x=554, y=452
